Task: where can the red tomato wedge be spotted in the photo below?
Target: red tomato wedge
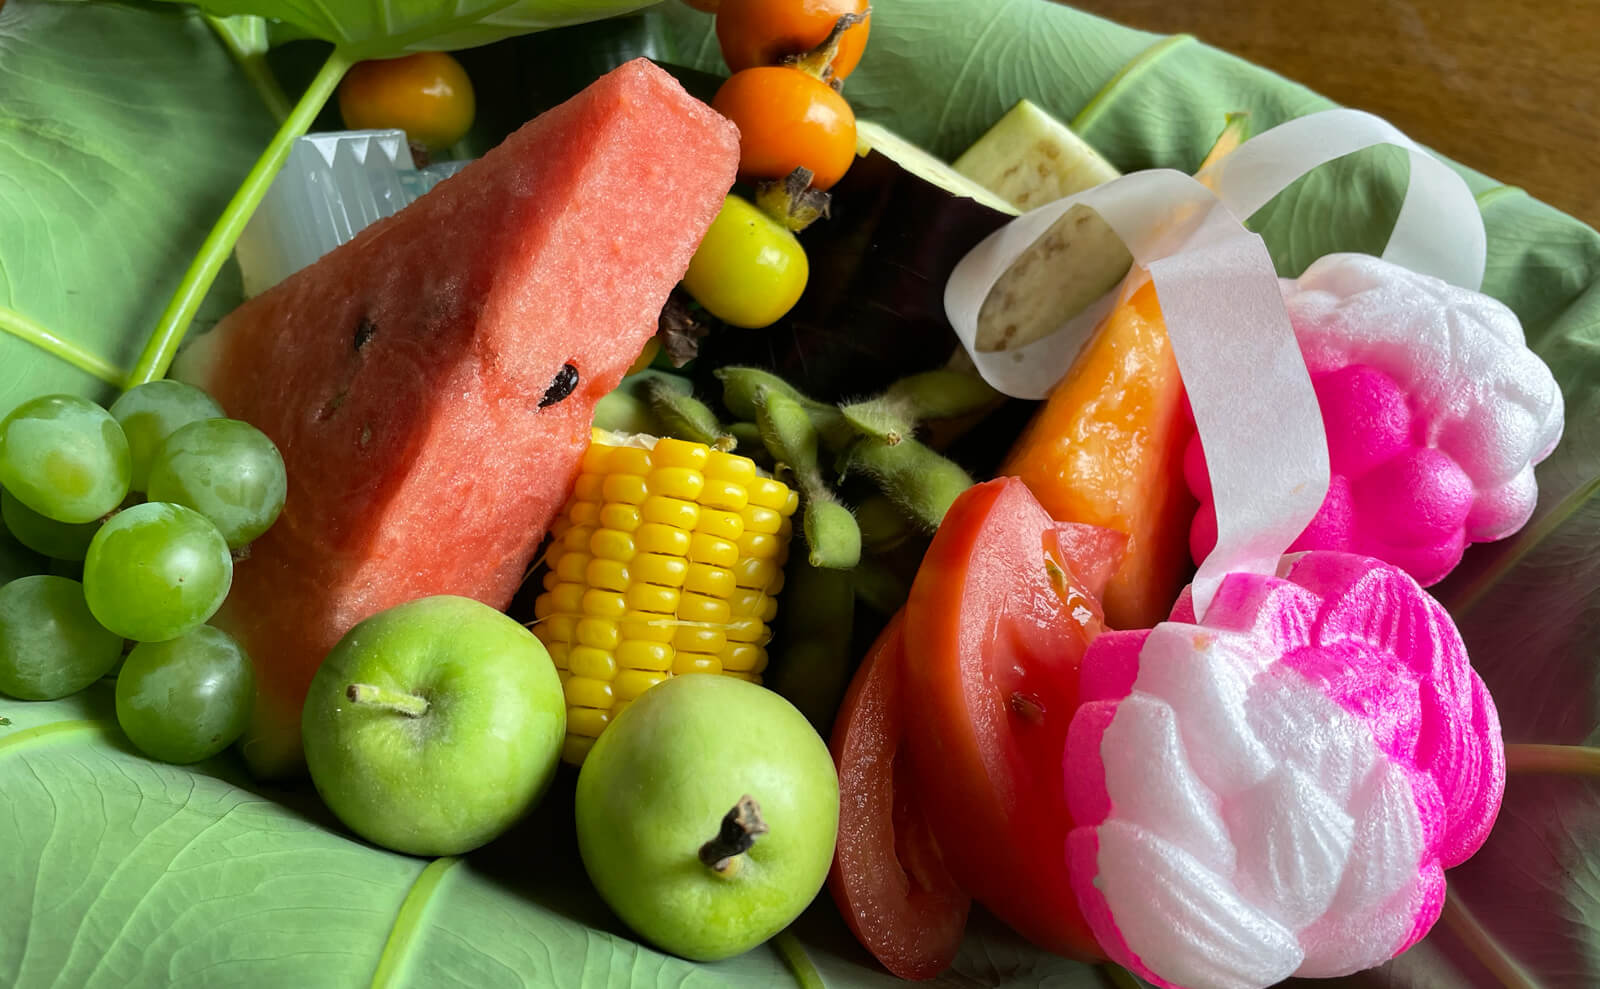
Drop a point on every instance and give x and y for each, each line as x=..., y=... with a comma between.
x=887, y=877
x=1000, y=614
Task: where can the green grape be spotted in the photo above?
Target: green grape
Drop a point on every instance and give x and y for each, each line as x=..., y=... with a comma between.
x=185, y=699
x=152, y=412
x=57, y=540
x=50, y=646
x=155, y=571
x=226, y=470
x=64, y=457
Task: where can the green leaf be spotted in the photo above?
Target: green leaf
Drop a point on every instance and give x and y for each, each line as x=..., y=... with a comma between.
x=376, y=28
x=123, y=131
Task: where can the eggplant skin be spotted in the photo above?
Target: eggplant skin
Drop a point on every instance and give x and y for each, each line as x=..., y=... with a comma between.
x=873, y=310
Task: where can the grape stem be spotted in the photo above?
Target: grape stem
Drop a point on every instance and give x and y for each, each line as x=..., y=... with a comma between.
x=397, y=701
x=740, y=828
x=174, y=323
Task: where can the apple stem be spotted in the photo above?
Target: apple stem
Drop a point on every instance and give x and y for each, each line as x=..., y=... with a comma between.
x=740, y=828
x=409, y=705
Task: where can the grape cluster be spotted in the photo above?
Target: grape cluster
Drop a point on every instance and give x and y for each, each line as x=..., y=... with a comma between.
x=139, y=510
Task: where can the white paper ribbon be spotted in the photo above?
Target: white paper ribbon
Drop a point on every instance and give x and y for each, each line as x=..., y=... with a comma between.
x=1438, y=231
x=1247, y=383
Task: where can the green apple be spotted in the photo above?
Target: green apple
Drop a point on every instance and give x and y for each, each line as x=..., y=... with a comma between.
x=707, y=813
x=433, y=726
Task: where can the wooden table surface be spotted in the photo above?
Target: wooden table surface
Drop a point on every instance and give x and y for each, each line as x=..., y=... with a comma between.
x=1508, y=87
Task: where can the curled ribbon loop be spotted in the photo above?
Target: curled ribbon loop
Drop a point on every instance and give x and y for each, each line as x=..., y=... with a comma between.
x=1439, y=230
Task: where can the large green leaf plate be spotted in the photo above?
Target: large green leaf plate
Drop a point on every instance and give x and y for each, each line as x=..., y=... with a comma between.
x=123, y=129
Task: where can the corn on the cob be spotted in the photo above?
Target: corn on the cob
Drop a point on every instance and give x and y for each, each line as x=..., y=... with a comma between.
x=666, y=560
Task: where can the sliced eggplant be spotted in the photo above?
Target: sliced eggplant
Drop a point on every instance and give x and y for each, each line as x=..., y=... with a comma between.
x=1031, y=159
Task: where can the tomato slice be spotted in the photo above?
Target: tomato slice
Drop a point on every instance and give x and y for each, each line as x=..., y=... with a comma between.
x=999, y=616
x=887, y=877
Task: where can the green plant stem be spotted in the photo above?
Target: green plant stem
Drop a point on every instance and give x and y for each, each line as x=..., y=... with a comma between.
x=800, y=964
x=163, y=343
x=253, y=63
x=1565, y=760
x=28, y=331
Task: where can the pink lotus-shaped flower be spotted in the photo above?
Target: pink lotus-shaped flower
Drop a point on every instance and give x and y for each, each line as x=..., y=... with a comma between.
x=1277, y=791
x=1435, y=411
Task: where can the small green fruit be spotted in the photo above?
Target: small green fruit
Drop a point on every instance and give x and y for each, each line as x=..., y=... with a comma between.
x=707, y=814
x=433, y=726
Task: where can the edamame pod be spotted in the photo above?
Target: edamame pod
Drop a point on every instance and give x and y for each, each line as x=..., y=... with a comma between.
x=812, y=658
x=686, y=417
x=791, y=437
x=914, y=477
x=938, y=394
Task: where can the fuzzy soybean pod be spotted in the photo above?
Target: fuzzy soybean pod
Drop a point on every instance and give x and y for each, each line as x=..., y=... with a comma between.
x=745, y=391
x=917, y=479
x=685, y=417
x=748, y=443
x=831, y=531
x=939, y=394
x=812, y=658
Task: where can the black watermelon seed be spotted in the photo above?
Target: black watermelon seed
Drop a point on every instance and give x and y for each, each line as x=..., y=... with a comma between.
x=566, y=381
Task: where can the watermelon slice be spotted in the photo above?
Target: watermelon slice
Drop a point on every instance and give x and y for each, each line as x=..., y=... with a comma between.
x=431, y=382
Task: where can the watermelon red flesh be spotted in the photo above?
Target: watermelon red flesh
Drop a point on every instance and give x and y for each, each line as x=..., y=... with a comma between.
x=401, y=376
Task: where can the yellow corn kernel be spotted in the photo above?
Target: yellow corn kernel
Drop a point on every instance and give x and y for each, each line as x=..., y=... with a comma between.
x=768, y=493
x=632, y=683
x=746, y=602
x=762, y=545
x=584, y=513
x=558, y=655
x=595, y=664
x=630, y=489
x=699, y=638
x=743, y=657
x=596, y=458
x=565, y=599
x=747, y=630
x=706, y=548
x=628, y=460
x=583, y=692
x=675, y=512
x=670, y=452
x=587, y=721
x=551, y=579
x=756, y=573
x=653, y=598
x=758, y=519
x=693, y=662
x=602, y=604
x=557, y=628
x=598, y=632
x=791, y=504
x=659, y=568
x=587, y=487
x=647, y=627
x=663, y=539
x=724, y=494
x=677, y=482
x=623, y=518
x=577, y=537
x=723, y=525
x=609, y=544
x=769, y=607
x=729, y=467
x=575, y=748
x=700, y=608
x=709, y=580
x=572, y=566
x=607, y=575
x=642, y=654
x=775, y=585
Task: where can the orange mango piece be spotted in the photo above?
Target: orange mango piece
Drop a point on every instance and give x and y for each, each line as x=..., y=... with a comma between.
x=1106, y=449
